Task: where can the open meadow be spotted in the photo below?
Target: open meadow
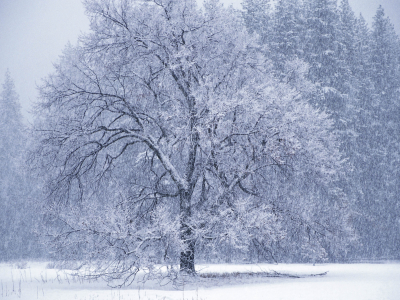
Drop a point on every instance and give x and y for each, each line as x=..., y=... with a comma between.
x=35, y=280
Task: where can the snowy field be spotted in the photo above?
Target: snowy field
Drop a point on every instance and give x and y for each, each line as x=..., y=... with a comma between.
x=343, y=281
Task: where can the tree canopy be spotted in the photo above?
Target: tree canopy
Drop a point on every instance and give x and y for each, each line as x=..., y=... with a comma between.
x=164, y=137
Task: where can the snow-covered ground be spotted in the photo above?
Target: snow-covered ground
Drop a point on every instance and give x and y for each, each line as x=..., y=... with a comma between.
x=343, y=281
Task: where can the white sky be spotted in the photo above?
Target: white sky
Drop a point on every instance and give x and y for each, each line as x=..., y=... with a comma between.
x=34, y=32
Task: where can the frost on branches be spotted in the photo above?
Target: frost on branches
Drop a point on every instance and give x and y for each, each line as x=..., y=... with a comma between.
x=165, y=139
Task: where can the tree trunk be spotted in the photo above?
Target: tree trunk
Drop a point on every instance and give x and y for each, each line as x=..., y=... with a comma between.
x=187, y=256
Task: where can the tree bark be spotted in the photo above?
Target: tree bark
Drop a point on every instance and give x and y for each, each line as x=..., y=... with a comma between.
x=187, y=255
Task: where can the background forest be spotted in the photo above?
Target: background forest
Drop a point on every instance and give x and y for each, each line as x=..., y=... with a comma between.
x=347, y=73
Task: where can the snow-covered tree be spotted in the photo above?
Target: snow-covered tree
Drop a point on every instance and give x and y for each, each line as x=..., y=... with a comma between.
x=11, y=121
x=379, y=144
x=257, y=17
x=356, y=72
x=288, y=32
x=164, y=135
x=16, y=215
x=385, y=56
x=362, y=63
x=321, y=41
x=346, y=49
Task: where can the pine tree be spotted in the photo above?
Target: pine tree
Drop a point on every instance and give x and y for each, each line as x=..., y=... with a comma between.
x=17, y=217
x=11, y=120
x=10, y=147
x=381, y=178
x=321, y=49
x=346, y=49
x=385, y=56
x=287, y=33
x=362, y=65
x=257, y=17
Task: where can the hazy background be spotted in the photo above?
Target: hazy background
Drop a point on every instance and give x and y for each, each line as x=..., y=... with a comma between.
x=34, y=32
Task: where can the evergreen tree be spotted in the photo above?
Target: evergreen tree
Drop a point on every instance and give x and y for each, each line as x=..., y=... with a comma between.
x=321, y=49
x=17, y=217
x=346, y=49
x=257, y=17
x=385, y=57
x=287, y=33
x=380, y=180
x=362, y=65
x=11, y=120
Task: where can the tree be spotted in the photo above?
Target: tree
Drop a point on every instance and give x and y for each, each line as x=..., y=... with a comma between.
x=10, y=132
x=347, y=44
x=16, y=211
x=163, y=134
x=363, y=62
x=257, y=17
x=287, y=33
x=321, y=41
x=379, y=143
x=385, y=56
x=356, y=72
x=11, y=126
